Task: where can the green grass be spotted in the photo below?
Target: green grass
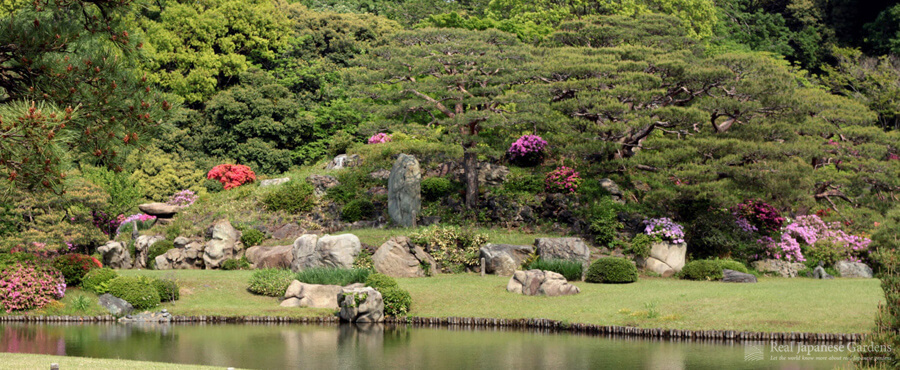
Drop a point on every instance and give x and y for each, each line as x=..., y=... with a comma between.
x=31, y=361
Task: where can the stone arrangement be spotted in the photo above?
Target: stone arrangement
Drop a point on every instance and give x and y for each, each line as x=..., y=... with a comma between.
x=504, y=259
x=398, y=257
x=300, y=294
x=327, y=251
x=779, y=267
x=361, y=304
x=572, y=249
x=540, y=282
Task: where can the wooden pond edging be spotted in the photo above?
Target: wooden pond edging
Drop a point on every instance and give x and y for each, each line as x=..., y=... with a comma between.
x=545, y=324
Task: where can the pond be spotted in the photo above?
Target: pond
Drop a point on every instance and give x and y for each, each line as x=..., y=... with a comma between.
x=345, y=346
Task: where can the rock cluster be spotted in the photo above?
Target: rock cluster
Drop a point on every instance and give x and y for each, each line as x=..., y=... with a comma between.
x=300, y=294
x=779, y=267
x=540, y=282
x=224, y=244
x=504, y=259
x=115, y=255
x=361, y=304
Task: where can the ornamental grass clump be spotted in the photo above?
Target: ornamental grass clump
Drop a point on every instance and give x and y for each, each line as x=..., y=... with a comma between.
x=611, y=270
x=811, y=237
x=527, y=150
x=380, y=138
x=562, y=180
x=30, y=284
x=75, y=266
x=270, y=282
x=231, y=175
x=664, y=229
x=571, y=270
x=332, y=276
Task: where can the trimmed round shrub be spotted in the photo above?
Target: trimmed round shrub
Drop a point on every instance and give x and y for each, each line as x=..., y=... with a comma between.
x=252, y=237
x=270, y=282
x=709, y=269
x=356, y=210
x=137, y=290
x=97, y=280
x=293, y=197
x=612, y=270
x=397, y=302
x=434, y=188
x=167, y=289
x=74, y=266
x=27, y=285
x=381, y=281
x=157, y=249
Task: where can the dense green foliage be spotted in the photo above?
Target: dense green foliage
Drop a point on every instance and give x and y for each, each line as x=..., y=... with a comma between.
x=137, y=290
x=236, y=264
x=292, y=197
x=74, y=267
x=434, y=188
x=157, y=249
x=887, y=320
x=611, y=270
x=397, y=302
x=380, y=281
x=270, y=282
x=571, y=270
x=332, y=276
x=168, y=289
x=709, y=269
x=453, y=248
x=97, y=280
x=252, y=237
x=357, y=209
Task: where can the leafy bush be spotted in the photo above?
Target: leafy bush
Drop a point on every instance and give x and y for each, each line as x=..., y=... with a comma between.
x=364, y=260
x=252, y=237
x=236, y=264
x=167, y=289
x=571, y=270
x=611, y=270
x=332, y=276
x=270, y=282
x=453, y=248
x=124, y=192
x=380, y=281
x=97, y=280
x=527, y=150
x=157, y=249
x=291, y=197
x=356, y=210
x=397, y=302
x=524, y=183
x=161, y=174
x=604, y=220
x=74, y=266
x=137, y=290
x=756, y=215
x=231, y=175
x=562, y=180
x=213, y=186
x=709, y=269
x=640, y=246
x=434, y=188
x=811, y=236
x=27, y=285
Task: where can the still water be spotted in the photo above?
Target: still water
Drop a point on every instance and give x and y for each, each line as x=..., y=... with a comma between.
x=294, y=346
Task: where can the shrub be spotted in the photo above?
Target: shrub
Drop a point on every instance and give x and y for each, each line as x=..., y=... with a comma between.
x=611, y=270
x=270, y=282
x=397, y=302
x=137, y=290
x=183, y=198
x=97, y=280
x=809, y=235
x=709, y=269
x=252, y=237
x=291, y=197
x=74, y=266
x=161, y=174
x=167, y=289
x=523, y=183
x=562, y=180
x=571, y=270
x=604, y=221
x=27, y=285
x=143, y=222
x=528, y=150
x=157, y=249
x=664, y=229
x=756, y=215
x=379, y=138
x=231, y=175
x=380, y=281
x=332, y=276
x=356, y=210
x=434, y=188
x=364, y=260
x=453, y=248
x=236, y=264
x=640, y=246
x=213, y=186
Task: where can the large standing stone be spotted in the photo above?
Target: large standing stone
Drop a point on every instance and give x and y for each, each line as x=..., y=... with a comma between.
x=405, y=191
x=665, y=258
x=849, y=269
x=540, y=282
x=115, y=255
x=731, y=276
x=571, y=249
x=312, y=295
x=398, y=257
x=361, y=305
x=782, y=268
x=224, y=244
x=328, y=251
x=142, y=246
x=279, y=256
x=504, y=259
x=116, y=306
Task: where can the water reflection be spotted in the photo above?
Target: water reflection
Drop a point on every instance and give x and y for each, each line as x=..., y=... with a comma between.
x=378, y=346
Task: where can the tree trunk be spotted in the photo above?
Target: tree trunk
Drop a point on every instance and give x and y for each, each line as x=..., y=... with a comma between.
x=470, y=168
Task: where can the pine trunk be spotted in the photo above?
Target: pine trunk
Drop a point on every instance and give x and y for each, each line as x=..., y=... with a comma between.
x=470, y=167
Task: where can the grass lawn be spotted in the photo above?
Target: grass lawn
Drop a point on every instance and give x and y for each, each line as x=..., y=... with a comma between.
x=774, y=304
x=31, y=361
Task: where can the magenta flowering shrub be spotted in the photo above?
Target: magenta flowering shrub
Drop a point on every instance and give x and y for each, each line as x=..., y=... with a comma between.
x=756, y=215
x=380, y=138
x=107, y=223
x=810, y=237
x=562, y=180
x=183, y=198
x=528, y=149
x=28, y=285
x=664, y=229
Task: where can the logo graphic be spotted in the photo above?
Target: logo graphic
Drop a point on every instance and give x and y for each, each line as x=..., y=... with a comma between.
x=753, y=353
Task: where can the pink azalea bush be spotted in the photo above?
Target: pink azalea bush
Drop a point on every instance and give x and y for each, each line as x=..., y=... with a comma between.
x=528, y=149
x=809, y=236
x=380, y=138
x=183, y=198
x=144, y=221
x=27, y=285
x=664, y=229
x=231, y=175
x=562, y=180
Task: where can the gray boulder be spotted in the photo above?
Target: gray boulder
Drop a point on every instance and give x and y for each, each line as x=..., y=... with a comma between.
x=540, y=282
x=779, y=267
x=819, y=273
x=398, y=257
x=328, y=251
x=116, y=306
x=321, y=183
x=504, y=259
x=279, y=256
x=361, y=305
x=193, y=256
x=273, y=182
x=343, y=161
x=311, y=295
x=665, y=258
x=849, y=269
x=224, y=244
x=142, y=247
x=615, y=193
x=572, y=249
x=115, y=255
x=405, y=191
x=731, y=276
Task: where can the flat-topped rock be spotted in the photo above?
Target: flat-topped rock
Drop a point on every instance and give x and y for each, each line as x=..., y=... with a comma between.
x=161, y=210
x=273, y=182
x=731, y=276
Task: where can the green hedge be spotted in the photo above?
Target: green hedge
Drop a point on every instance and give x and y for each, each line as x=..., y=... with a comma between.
x=137, y=290
x=270, y=282
x=97, y=280
x=612, y=270
x=168, y=289
x=709, y=269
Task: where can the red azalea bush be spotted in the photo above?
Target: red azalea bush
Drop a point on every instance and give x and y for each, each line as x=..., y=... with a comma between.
x=74, y=266
x=231, y=175
x=562, y=180
x=26, y=285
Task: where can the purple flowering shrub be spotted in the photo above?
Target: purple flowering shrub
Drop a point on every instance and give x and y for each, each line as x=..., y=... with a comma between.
x=562, y=180
x=380, y=138
x=664, y=229
x=527, y=150
x=183, y=198
x=107, y=223
x=28, y=284
x=810, y=237
x=756, y=215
